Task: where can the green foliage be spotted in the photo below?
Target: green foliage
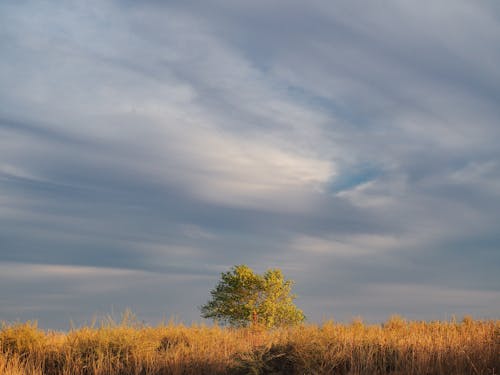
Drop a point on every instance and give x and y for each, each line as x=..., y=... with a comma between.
x=242, y=297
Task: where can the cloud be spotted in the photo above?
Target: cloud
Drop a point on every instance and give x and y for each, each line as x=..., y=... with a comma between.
x=61, y=293
x=349, y=246
x=350, y=145
x=184, y=138
x=411, y=301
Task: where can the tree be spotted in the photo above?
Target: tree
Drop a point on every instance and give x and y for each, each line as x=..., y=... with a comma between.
x=242, y=298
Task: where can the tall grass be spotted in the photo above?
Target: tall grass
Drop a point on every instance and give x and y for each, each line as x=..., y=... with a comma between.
x=395, y=347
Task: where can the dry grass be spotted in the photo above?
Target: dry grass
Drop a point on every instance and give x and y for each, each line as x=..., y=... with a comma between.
x=396, y=347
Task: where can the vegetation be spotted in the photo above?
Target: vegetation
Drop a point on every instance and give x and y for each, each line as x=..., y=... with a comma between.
x=395, y=347
x=242, y=298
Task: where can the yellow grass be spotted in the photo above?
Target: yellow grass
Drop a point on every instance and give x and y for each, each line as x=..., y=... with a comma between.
x=396, y=347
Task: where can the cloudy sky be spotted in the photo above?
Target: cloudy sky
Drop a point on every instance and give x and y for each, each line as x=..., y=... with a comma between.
x=145, y=147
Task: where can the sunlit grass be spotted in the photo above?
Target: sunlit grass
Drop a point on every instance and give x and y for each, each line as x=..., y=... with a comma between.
x=395, y=347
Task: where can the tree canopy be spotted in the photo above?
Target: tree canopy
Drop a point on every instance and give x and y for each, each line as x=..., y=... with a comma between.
x=243, y=297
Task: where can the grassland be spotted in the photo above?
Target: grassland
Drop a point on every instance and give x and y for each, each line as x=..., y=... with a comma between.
x=395, y=347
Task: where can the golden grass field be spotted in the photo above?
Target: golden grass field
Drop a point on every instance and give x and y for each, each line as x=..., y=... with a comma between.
x=395, y=347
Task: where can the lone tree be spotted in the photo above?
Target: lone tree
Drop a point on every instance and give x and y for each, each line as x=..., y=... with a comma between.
x=242, y=298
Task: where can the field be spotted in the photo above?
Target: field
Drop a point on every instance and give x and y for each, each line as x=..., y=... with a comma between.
x=395, y=347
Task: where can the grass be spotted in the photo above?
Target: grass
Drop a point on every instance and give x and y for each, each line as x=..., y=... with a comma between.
x=395, y=347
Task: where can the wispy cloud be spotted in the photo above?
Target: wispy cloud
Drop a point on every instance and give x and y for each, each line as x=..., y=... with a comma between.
x=349, y=144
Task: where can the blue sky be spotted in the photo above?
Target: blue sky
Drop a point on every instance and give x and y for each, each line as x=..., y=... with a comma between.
x=145, y=147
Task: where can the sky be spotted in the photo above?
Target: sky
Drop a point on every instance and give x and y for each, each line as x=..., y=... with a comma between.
x=146, y=147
